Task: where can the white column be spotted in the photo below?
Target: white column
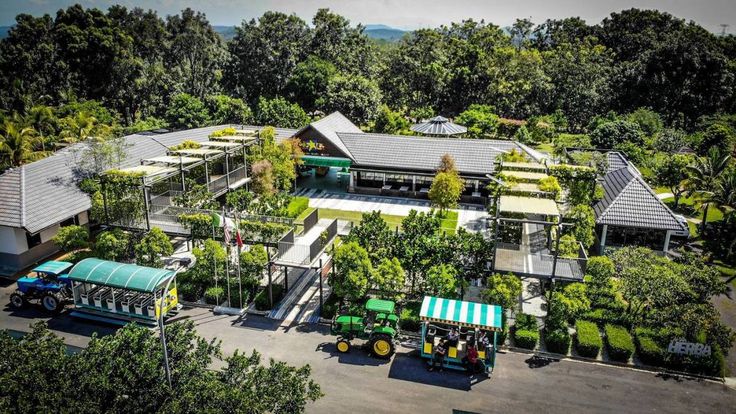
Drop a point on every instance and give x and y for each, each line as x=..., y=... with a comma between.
x=413, y=183
x=604, y=232
x=350, y=185
x=667, y=241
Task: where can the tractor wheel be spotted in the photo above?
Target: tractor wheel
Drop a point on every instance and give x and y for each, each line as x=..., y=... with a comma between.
x=382, y=346
x=52, y=302
x=17, y=300
x=343, y=346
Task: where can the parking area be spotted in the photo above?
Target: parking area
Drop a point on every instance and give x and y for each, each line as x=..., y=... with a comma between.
x=521, y=382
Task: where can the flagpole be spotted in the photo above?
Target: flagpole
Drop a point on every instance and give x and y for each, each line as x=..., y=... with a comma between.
x=227, y=254
x=214, y=262
x=237, y=234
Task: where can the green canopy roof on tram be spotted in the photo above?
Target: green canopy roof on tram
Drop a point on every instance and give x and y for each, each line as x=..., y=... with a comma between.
x=120, y=275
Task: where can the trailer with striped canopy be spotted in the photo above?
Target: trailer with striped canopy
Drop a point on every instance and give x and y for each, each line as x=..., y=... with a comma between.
x=458, y=326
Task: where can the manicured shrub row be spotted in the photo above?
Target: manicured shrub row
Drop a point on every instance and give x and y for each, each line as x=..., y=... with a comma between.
x=619, y=343
x=557, y=341
x=603, y=316
x=526, y=331
x=588, y=340
x=296, y=206
x=261, y=299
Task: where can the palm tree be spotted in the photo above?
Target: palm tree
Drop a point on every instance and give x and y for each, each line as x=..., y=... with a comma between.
x=704, y=177
x=724, y=194
x=78, y=128
x=16, y=144
x=41, y=118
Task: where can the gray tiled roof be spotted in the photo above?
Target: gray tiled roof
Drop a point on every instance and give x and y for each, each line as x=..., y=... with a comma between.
x=43, y=193
x=472, y=156
x=330, y=125
x=616, y=161
x=629, y=201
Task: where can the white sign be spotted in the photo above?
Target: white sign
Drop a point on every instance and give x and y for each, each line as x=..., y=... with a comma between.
x=680, y=346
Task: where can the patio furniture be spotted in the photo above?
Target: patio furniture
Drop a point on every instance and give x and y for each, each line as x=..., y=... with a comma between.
x=476, y=194
x=404, y=188
x=386, y=187
x=424, y=190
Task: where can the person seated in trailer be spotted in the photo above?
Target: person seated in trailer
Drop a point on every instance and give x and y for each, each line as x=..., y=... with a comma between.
x=483, y=341
x=453, y=337
x=439, y=355
x=470, y=360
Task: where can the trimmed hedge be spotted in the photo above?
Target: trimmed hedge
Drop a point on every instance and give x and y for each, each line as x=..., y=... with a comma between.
x=261, y=299
x=526, y=339
x=603, y=317
x=588, y=340
x=618, y=342
x=296, y=206
x=526, y=322
x=557, y=341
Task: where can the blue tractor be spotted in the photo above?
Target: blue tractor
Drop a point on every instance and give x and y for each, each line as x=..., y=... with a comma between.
x=48, y=283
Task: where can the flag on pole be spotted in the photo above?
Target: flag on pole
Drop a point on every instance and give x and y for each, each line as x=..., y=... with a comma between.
x=226, y=223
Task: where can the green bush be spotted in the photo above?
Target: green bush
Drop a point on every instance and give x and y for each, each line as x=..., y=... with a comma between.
x=261, y=299
x=409, y=318
x=296, y=206
x=330, y=307
x=235, y=294
x=588, y=341
x=618, y=342
x=557, y=341
x=603, y=316
x=188, y=291
x=526, y=322
x=525, y=338
x=647, y=348
x=211, y=295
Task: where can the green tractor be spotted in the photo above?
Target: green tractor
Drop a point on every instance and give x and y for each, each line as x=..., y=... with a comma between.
x=379, y=327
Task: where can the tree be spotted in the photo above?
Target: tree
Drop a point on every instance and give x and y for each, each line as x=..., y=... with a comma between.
x=354, y=96
x=520, y=32
x=480, y=120
x=283, y=157
x=309, y=81
x=583, y=219
x=445, y=190
x=252, y=263
x=226, y=110
x=263, y=184
x=197, y=196
x=503, y=290
x=704, y=175
x=610, y=134
x=390, y=279
x=16, y=144
x=101, y=154
x=441, y=281
x=112, y=245
x=565, y=305
x=671, y=172
x=210, y=263
x=353, y=271
x=239, y=200
x=335, y=40
x=522, y=135
x=41, y=119
x=71, y=238
x=152, y=246
x=186, y=112
x=374, y=235
x=390, y=122
x=649, y=121
x=278, y=112
x=447, y=164
x=416, y=246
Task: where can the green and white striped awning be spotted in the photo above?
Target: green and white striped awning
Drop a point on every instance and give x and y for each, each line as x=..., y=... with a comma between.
x=461, y=313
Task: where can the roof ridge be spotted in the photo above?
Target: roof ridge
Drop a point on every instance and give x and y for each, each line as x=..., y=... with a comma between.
x=22, y=196
x=644, y=183
x=608, y=207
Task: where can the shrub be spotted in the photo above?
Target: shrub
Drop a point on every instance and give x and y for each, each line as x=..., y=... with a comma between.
x=647, y=348
x=409, y=319
x=72, y=238
x=330, y=307
x=188, y=291
x=602, y=316
x=619, y=343
x=525, y=338
x=557, y=341
x=527, y=322
x=261, y=299
x=588, y=341
x=296, y=206
x=211, y=295
x=235, y=294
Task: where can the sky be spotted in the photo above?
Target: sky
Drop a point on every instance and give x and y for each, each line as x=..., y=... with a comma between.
x=405, y=14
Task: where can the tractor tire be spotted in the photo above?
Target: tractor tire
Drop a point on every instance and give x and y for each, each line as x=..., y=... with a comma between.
x=382, y=346
x=343, y=346
x=17, y=300
x=52, y=302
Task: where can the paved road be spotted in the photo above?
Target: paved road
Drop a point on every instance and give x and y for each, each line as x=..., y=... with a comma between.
x=357, y=383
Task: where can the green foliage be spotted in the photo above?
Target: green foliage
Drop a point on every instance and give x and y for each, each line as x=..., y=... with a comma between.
x=309, y=81
x=374, y=235
x=296, y=206
x=281, y=113
x=409, y=318
x=239, y=200
x=588, y=340
x=618, y=342
x=197, y=196
x=186, y=144
x=567, y=304
x=445, y=190
x=224, y=109
x=550, y=185
x=514, y=156
x=610, y=134
x=253, y=261
x=389, y=278
x=579, y=182
x=568, y=247
x=583, y=219
x=283, y=159
x=146, y=124
x=480, y=120
x=262, y=299
x=199, y=224
x=186, y=112
x=214, y=295
x=263, y=231
x=526, y=339
x=72, y=238
x=503, y=290
x=152, y=246
x=671, y=172
x=441, y=281
x=355, y=96
x=648, y=121
x=39, y=373
x=557, y=340
x=210, y=263
x=112, y=245
x=223, y=132
x=523, y=135
x=390, y=122
x=647, y=348
x=353, y=271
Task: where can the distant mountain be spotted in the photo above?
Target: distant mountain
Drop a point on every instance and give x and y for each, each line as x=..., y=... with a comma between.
x=383, y=32
x=227, y=32
x=4, y=31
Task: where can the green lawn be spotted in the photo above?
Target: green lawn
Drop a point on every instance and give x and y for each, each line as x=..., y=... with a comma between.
x=448, y=224
x=686, y=207
x=546, y=147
